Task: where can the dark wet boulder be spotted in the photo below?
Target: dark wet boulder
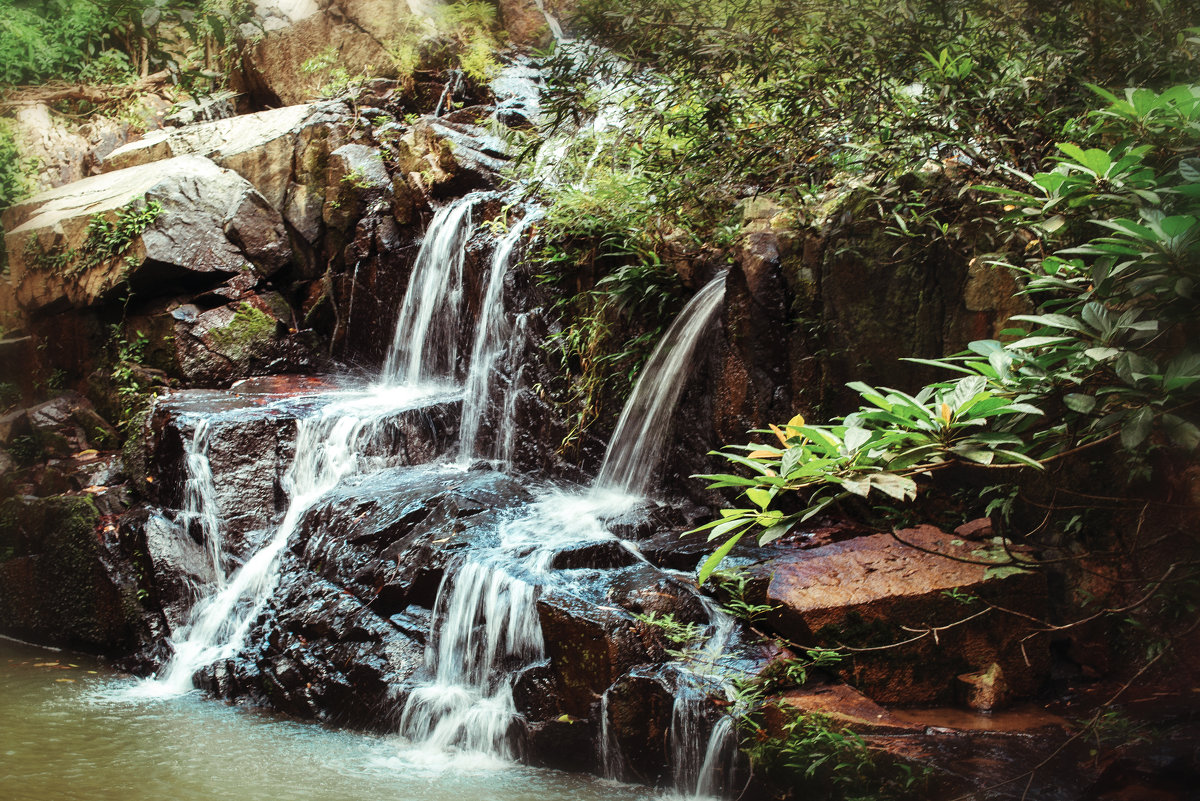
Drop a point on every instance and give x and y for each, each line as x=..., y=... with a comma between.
x=639, y=708
x=179, y=564
x=66, y=580
x=324, y=654
x=393, y=535
x=589, y=646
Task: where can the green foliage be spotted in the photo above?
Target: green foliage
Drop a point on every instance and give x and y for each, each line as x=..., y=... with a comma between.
x=109, y=67
x=471, y=27
x=465, y=37
x=1112, y=351
x=810, y=752
x=109, y=239
x=733, y=588
x=127, y=356
x=111, y=41
x=14, y=182
x=332, y=78
x=865, y=90
x=245, y=333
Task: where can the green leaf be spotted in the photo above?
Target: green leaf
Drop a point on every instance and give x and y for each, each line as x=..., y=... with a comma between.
x=1137, y=428
x=759, y=497
x=710, y=564
x=1077, y=402
x=858, y=485
x=773, y=533
x=902, y=488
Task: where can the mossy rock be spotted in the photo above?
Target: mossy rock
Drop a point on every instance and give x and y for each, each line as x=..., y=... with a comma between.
x=54, y=585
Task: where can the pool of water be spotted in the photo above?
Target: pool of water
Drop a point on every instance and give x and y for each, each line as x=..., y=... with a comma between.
x=71, y=730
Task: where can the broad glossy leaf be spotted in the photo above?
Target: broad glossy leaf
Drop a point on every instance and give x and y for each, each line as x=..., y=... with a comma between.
x=902, y=488
x=710, y=564
x=1080, y=403
x=1137, y=427
x=759, y=497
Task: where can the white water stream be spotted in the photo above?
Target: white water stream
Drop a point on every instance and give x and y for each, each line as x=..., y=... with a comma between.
x=491, y=340
x=635, y=450
x=485, y=623
x=425, y=344
x=199, y=498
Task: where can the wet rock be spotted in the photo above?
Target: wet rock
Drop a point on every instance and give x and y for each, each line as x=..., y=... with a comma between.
x=561, y=744
x=393, y=535
x=254, y=336
x=53, y=265
x=180, y=564
x=589, y=647
x=639, y=709
x=323, y=654
x=874, y=591
x=843, y=705
x=252, y=431
x=604, y=554
x=60, y=585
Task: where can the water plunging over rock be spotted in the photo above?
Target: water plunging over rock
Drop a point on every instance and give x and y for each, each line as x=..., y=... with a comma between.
x=636, y=445
x=491, y=332
x=425, y=344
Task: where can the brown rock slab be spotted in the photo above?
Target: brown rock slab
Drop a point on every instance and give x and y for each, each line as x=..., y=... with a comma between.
x=915, y=617
x=848, y=707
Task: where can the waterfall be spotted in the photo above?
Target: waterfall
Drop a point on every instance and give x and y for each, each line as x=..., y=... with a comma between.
x=611, y=760
x=491, y=333
x=636, y=446
x=701, y=765
x=720, y=755
x=199, y=498
x=485, y=619
x=327, y=448
x=425, y=344
x=505, y=447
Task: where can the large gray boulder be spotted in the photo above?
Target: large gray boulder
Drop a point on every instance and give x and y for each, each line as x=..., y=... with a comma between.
x=146, y=228
x=282, y=152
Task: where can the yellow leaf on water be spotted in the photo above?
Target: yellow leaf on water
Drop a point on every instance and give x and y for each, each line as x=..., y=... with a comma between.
x=90, y=453
x=68, y=681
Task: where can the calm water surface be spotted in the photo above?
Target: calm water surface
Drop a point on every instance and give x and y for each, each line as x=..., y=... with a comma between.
x=69, y=731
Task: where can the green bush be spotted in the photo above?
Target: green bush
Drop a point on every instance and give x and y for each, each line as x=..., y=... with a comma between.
x=1112, y=354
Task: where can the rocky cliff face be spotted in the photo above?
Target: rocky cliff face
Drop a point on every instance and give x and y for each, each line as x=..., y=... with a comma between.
x=281, y=242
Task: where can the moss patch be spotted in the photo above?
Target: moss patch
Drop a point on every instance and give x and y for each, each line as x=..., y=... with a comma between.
x=248, y=332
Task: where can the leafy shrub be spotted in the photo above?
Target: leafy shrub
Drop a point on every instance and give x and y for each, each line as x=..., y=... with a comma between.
x=13, y=171
x=1111, y=355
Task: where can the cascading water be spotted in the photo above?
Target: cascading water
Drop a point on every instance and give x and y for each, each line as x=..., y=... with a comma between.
x=328, y=448
x=636, y=446
x=506, y=437
x=425, y=345
x=491, y=332
x=485, y=621
x=330, y=445
x=199, y=511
